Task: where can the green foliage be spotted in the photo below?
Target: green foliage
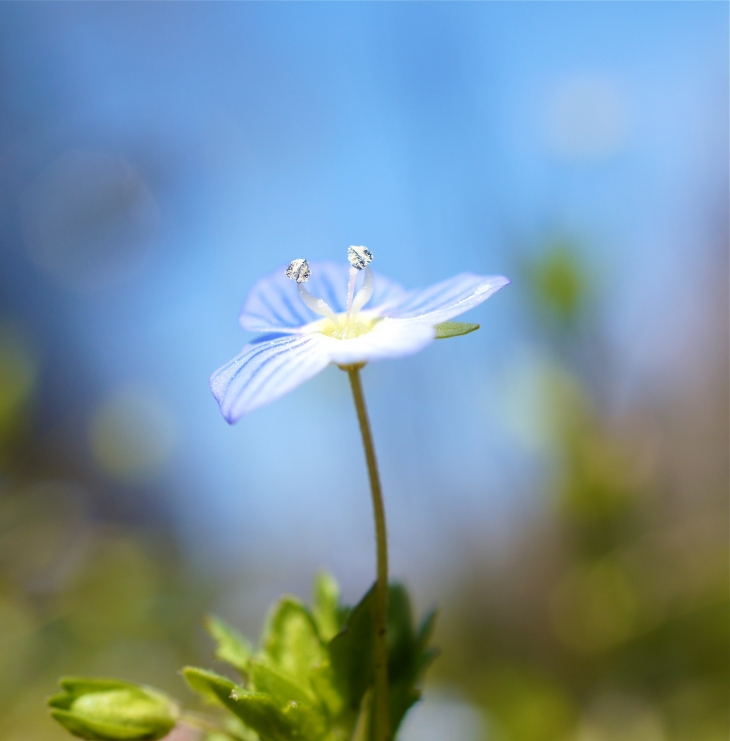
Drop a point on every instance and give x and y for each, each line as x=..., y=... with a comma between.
x=231, y=646
x=454, y=329
x=311, y=680
x=328, y=615
x=314, y=672
x=112, y=710
x=408, y=653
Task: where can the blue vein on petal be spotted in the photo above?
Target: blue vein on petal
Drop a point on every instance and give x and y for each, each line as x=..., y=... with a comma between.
x=334, y=303
x=274, y=311
x=285, y=298
x=285, y=347
x=275, y=354
x=424, y=300
x=416, y=302
x=277, y=371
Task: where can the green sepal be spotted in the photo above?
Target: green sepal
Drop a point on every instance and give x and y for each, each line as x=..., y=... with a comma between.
x=112, y=710
x=231, y=646
x=453, y=329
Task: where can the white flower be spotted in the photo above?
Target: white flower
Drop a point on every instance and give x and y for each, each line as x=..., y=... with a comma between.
x=299, y=344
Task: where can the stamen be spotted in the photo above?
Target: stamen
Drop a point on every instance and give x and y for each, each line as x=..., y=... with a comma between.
x=317, y=305
x=299, y=271
x=359, y=257
x=365, y=292
x=351, y=290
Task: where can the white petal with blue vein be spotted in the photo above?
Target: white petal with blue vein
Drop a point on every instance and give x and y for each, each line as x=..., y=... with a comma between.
x=447, y=299
x=266, y=370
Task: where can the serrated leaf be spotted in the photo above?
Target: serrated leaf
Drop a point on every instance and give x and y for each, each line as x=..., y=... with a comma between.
x=326, y=606
x=454, y=329
x=231, y=646
x=291, y=643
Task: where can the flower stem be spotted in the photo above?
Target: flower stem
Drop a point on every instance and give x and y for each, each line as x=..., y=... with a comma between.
x=382, y=720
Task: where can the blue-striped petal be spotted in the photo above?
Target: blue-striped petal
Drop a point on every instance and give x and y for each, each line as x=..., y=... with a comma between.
x=273, y=305
x=265, y=370
x=446, y=299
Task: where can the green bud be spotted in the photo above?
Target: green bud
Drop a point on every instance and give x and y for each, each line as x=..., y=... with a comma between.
x=112, y=710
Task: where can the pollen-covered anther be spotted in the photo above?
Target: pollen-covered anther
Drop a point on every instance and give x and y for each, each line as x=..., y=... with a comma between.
x=359, y=257
x=298, y=270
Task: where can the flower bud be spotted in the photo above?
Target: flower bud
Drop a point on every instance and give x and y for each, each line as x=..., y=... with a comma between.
x=298, y=270
x=112, y=710
x=359, y=257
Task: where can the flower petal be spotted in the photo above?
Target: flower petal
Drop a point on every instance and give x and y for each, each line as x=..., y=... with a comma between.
x=446, y=299
x=265, y=370
x=389, y=338
x=273, y=305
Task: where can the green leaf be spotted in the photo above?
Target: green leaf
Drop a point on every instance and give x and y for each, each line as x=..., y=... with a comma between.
x=273, y=720
x=328, y=616
x=261, y=713
x=281, y=689
x=212, y=687
x=300, y=706
x=351, y=654
x=408, y=653
x=291, y=644
x=454, y=329
x=231, y=646
x=112, y=710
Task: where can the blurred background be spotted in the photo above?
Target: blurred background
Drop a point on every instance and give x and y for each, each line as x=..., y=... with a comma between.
x=556, y=483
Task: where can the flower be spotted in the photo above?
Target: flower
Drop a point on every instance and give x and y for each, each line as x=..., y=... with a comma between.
x=331, y=324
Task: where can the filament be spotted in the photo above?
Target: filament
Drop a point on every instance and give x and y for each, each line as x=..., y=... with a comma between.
x=365, y=292
x=317, y=305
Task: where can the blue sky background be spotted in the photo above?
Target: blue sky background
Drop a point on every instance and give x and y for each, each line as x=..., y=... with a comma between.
x=445, y=137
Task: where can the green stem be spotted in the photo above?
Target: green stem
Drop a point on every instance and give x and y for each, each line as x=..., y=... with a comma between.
x=382, y=721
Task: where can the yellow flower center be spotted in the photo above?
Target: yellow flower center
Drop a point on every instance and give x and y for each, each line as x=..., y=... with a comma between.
x=348, y=329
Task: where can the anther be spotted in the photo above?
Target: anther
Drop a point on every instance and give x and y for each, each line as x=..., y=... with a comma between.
x=359, y=257
x=298, y=270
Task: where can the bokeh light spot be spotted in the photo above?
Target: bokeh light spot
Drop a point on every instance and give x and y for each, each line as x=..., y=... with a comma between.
x=132, y=435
